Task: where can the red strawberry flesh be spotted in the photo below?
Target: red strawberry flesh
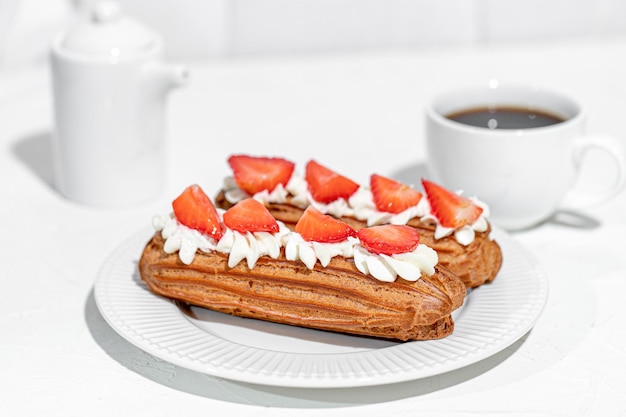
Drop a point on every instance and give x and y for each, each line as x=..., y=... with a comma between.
x=194, y=209
x=451, y=209
x=257, y=173
x=389, y=239
x=250, y=215
x=392, y=196
x=326, y=185
x=319, y=227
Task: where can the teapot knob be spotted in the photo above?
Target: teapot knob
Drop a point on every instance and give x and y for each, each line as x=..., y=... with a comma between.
x=106, y=12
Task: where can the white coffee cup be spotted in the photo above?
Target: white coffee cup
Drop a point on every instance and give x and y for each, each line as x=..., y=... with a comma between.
x=523, y=174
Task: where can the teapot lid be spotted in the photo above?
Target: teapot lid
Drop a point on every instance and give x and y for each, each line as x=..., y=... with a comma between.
x=107, y=32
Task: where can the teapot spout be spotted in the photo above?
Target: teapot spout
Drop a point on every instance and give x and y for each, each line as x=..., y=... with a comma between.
x=167, y=76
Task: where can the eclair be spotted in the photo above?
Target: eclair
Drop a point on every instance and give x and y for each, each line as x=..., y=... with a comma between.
x=379, y=281
x=454, y=225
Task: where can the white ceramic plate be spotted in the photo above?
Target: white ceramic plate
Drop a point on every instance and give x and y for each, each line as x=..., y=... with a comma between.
x=493, y=317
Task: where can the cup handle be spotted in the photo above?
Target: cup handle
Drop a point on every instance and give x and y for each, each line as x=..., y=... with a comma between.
x=614, y=149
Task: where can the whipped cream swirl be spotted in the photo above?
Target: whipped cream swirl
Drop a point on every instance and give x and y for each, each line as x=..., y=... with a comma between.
x=251, y=246
x=182, y=239
x=296, y=248
x=466, y=234
x=296, y=187
x=363, y=208
x=238, y=246
x=360, y=206
x=410, y=265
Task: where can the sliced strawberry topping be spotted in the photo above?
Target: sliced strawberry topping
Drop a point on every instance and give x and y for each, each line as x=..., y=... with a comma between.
x=389, y=239
x=253, y=173
x=250, y=215
x=392, y=196
x=319, y=227
x=194, y=209
x=326, y=185
x=451, y=209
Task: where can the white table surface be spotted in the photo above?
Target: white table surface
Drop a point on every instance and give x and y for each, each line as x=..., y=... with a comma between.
x=358, y=113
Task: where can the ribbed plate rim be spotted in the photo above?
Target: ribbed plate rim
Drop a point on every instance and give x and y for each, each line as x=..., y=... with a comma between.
x=494, y=316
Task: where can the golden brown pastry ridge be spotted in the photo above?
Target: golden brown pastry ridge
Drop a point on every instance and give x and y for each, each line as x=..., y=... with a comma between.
x=336, y=298
x=475, y=264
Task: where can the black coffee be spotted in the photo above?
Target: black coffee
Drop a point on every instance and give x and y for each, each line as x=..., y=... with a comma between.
x=505, y=118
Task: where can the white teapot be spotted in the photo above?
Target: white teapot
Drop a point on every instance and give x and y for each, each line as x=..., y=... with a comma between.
x=109, y=87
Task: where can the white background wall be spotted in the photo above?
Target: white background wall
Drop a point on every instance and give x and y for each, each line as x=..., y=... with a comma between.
x=216, y=28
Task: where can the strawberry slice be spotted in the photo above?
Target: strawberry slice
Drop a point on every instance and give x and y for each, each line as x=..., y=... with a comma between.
x=326, y=185
x=389, y=239
x=319, y=227
x=392, y=196
x=256, y=173
x=250, y=215
x=194, y=209
x=452, y=210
